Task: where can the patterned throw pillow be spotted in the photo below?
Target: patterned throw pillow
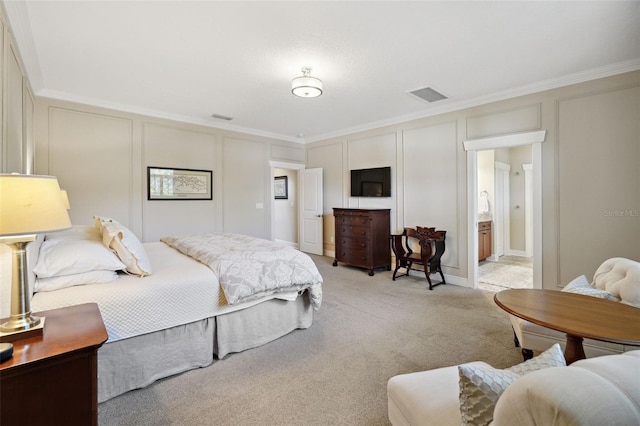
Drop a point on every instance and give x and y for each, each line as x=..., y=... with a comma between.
x=552, y=357
x=480, y=387
x=581, y=285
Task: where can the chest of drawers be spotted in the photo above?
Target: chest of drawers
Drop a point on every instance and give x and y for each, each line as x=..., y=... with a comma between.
x=362, y=238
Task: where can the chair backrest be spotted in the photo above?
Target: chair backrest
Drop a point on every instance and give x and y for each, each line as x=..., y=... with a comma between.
x=430, y=242
x=435, y=240
x=399, y=246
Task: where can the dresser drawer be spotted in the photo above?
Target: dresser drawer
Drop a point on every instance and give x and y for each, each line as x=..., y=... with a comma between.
x=354, y=257
x=353, y=220
x=354, y=231
x=354, y=243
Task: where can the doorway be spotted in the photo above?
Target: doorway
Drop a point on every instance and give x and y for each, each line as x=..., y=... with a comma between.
x=504, y=201
x=285, y=211
x=473, y=147
x=296, y=212
x=285, y=207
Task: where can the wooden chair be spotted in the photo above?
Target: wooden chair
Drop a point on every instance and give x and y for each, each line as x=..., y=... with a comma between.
x=432, y=247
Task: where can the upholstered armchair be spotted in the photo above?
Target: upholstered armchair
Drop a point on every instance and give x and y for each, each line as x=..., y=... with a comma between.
x=617, y=279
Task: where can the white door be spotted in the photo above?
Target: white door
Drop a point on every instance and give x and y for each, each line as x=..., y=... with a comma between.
x=310, y=181
x=502, y=233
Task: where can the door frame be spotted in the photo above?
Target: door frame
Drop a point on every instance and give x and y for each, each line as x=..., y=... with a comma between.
x=472, y=146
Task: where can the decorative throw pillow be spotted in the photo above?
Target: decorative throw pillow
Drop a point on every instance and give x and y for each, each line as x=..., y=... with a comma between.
x=126, y=245
x=576, y=283
x=72, y=256
x=480, y=387
x=99, y=220
x=580, y=285
x=552, y=357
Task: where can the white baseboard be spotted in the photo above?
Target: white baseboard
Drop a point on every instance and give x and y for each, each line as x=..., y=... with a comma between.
x=330, y=253
x=519, y=253
x=452, y=279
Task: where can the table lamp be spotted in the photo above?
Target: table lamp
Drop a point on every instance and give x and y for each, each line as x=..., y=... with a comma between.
x=29, y=205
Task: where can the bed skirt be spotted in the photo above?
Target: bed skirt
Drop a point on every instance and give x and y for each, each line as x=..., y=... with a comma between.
x=137, y=362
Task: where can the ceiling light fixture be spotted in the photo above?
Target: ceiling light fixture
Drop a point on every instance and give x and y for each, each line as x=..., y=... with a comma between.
x=306, y=86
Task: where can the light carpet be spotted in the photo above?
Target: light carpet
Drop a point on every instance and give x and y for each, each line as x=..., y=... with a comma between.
x=498, y=276
x=367, y=330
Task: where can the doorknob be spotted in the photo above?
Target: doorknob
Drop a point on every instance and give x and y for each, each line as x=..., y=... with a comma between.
x=319, y=215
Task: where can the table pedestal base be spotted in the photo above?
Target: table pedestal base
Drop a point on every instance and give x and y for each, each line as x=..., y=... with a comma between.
x=573, y=350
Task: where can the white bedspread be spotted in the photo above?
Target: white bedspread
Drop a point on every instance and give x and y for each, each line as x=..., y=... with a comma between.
x=249, y=268
x=180, y=291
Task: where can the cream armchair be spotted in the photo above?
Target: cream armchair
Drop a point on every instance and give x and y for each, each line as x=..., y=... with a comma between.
x=617, y=279
x=598, y=391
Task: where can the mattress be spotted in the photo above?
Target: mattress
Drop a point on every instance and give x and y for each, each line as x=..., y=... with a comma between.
x=181, y=290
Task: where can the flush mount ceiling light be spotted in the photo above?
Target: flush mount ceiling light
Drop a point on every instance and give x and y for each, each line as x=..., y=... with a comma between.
x=306, y=86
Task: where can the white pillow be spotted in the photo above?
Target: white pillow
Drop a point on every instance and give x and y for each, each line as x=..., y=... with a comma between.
x=126, y=245
x=79, y=232
x=62, y=281
x=481, y=386
x=71, y=256
x=580, y=285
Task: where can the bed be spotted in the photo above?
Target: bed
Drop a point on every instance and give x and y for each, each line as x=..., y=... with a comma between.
x=173, y=305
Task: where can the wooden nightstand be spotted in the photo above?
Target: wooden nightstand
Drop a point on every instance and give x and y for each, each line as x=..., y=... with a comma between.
x=52, y=379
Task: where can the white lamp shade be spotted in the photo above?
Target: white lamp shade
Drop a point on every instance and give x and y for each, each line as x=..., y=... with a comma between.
x=65, y=199
x=306, y=87
x=31, y=204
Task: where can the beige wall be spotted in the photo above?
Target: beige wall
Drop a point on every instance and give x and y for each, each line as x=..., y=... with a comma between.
x=590, y=172
x=101, y=156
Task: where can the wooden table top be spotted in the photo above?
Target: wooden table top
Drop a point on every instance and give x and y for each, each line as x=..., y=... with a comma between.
x=574, y=314
x=66, y=330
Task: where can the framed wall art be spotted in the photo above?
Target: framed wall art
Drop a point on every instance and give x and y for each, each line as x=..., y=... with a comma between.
x=280, y=187
x=165, y=183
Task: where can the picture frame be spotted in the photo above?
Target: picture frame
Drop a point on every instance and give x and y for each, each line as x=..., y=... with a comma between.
x=165, y=183
x=281, y=187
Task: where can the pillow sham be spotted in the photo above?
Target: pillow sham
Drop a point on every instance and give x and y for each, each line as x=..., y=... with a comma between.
x=127, y=246
x=63, y=281
x=481, y=386
x=71, y=256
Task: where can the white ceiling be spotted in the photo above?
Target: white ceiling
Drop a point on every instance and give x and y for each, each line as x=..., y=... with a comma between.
x=188, y=60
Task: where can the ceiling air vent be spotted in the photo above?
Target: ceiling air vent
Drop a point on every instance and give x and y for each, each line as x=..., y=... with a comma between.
x=428, y=94
x=221, y=117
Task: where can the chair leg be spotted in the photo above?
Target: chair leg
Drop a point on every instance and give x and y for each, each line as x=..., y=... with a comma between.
x=427, y=273
x=527, y=354
x=516, y=342
x=441, y=275
x=395, y=271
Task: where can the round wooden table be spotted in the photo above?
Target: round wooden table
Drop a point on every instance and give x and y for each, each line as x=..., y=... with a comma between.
x=576, y=315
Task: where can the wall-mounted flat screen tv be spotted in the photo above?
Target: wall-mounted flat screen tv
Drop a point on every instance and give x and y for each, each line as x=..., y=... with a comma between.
x=374, y=182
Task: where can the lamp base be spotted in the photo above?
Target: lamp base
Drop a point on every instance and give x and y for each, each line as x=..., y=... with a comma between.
x=16, y=330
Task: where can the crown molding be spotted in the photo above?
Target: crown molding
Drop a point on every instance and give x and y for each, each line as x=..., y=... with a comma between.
x=63, y=96
x=541, y=86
